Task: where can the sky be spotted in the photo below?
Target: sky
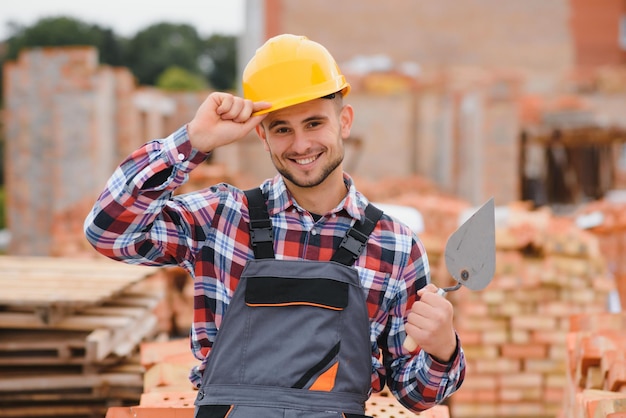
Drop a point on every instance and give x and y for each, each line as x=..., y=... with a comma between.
x=126, y=17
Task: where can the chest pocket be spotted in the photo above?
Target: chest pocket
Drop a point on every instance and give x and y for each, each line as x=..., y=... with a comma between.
x=279, y=291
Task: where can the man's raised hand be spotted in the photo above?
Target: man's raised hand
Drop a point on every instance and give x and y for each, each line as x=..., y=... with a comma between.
x=221, y=119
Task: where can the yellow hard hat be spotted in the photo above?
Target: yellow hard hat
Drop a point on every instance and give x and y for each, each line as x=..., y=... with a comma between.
x=290, y=69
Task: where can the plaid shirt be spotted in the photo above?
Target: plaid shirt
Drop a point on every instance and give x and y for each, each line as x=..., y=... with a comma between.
x=138, y=220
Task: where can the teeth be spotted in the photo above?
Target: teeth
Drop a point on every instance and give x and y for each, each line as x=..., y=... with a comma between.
x=306, y=160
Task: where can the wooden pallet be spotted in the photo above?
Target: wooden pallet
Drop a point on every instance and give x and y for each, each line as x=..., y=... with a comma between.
x=53, y=288
x=70, y=331
x=60, y=392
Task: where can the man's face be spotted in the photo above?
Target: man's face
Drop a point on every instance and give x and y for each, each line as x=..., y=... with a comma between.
x=305, y=141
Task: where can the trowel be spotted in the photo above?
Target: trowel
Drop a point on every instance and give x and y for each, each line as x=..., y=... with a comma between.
x=470, y=255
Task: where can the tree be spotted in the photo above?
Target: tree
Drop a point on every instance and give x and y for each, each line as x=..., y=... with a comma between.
x=179, y=79
x=152, y=50
x=61, y=31
x=221, y=52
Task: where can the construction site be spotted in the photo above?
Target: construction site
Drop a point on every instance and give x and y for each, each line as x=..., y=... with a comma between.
x=455, y=102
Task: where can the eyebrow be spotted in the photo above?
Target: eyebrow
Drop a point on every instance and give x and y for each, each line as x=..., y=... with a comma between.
x=277, y=122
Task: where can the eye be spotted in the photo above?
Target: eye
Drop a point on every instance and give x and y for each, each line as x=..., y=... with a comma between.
x=313, y=124
x=282, y=130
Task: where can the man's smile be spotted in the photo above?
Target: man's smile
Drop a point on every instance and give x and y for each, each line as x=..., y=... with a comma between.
x=308, y=160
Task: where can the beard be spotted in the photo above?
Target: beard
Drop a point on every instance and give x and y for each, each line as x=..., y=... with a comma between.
x=306, y=181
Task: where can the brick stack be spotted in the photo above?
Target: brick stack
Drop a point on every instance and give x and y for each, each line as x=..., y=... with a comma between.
x=168, y=392
x=606, y=219
x=514, y=332
x=596, y=366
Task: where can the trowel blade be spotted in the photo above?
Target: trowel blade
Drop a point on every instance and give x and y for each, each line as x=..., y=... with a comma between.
x=470, y=252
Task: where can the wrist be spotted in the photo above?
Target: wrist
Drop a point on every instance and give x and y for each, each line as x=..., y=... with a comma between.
x=447, y=353
x=195, y=138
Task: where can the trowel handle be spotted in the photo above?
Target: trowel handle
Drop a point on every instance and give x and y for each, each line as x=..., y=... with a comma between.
x=409, y=343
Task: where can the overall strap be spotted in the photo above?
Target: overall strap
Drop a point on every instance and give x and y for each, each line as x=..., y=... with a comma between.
x=261, y=234
x=356, y=238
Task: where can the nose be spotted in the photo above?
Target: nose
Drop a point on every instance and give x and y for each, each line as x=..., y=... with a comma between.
x=301, y=142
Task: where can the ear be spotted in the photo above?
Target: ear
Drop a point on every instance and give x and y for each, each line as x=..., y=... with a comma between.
x=345, y=118
x=260, y=131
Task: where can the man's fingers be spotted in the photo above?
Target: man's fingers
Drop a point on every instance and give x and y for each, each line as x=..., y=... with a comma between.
x=258, y=106
x=429, y=288
x=254, y=121
x=224, y=102
x=425, y=317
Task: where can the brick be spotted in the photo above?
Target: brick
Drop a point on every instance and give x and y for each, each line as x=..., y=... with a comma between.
x=534, y=322
x=469, y=338
x=521, y=395
x=520, y=336
x=500, y=365
x=535, y=409
x=545, y=366
x=495, y=337
x=555, y=380
x=486, y=395
x=520, y=380
x=594, y=378
x=616, y=376
x=552, y=337
x=480, y=381
x=521, y=351
x=473, y=410
x=482, y=351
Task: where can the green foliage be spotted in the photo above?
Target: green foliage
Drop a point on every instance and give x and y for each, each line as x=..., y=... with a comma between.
x=178, y=79
x=147, y=54
x=65, y=31
x=160, y=46
x=222, y=52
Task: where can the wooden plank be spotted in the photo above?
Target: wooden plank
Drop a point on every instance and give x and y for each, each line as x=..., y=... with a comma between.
x=119, y=332
x=114, y=313
x=41, y=411
x=55, y=382
x=69, y=347
x=29, y=320
x=19, y=347
x=47, y=281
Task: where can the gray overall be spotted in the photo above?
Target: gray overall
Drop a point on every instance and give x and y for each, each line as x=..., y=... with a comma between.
x=295, y=340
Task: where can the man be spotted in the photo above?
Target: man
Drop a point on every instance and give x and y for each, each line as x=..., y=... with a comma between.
x=304, y=293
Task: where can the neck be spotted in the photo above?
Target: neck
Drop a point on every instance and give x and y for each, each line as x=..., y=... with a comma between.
x=322, y=198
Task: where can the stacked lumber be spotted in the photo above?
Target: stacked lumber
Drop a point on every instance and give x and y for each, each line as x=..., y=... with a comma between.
x=70, y=331
x=596, y=366
x=514, y=332
x=168, y=392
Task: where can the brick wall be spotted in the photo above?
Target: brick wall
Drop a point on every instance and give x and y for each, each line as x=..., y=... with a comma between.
x=532, y=35
x=595, y=30
x=57, y=145
x=68, y=122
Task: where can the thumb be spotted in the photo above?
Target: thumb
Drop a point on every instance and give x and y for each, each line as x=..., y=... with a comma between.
x=430, y=288
x=254, y=121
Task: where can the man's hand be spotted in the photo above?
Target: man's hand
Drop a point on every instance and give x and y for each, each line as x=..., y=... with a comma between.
x=221, y=119
x=430, y=324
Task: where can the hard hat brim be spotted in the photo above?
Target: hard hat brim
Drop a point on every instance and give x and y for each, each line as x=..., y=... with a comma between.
x=302, y=98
